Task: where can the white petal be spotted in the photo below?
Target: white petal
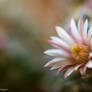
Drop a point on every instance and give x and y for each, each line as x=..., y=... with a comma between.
x=80, y=25
x=76, y=67
x=52, y=68
x=74, y=29
x=55, y=52
x=60, y=65
x=89, y=64
x=56, y=39
x=90, y=33
x=83, y=70
x=54, y=61
x=68, y=72
x=63, y=63
x=85, y=29
x=90, y=55
x=64, y=35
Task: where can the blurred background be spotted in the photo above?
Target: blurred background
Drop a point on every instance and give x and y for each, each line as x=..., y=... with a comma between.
x=25, y=27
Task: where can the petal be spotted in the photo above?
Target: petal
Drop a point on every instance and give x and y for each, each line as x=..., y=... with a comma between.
x=90, y=33
x=83, y=70
x=56, y=52
x=62, y=64
x=74, y=29
x=90, y=55
x=85, y=29
x=54, y=67
x=60, y=46
x=56, y=39
x=80, y=27
x=73, y=36
x=54, y=61
x=64, y=68
x=70, y=70
x=64, y=35
x=76, y=67
x=89, y=64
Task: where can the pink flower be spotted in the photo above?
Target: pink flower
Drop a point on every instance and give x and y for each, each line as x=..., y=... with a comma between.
x=73, y=49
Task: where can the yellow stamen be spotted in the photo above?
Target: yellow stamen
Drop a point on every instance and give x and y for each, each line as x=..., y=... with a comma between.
x=80, y=53
x=75, y=48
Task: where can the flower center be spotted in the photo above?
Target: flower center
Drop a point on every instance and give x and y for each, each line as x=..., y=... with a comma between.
x=80, y=53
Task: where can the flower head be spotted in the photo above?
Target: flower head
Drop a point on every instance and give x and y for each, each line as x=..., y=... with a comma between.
x=73, y=48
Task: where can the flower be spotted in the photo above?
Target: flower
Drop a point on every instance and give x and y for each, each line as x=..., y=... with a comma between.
x=73, y=49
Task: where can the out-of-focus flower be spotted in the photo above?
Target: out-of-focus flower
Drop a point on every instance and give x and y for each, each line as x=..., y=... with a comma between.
x=73, y=50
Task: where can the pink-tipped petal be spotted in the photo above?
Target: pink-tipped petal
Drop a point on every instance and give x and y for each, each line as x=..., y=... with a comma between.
x=64, y=68
x=81, y=30
x=58, y=53
x=64, y=35
x=60, y=41
x=47, y=65
x=83, y=70
x=68, y=72
x=60, y=45
x=54, y=61
x=55, y=52
x=74, y=29
x=73, y=36
x=62, y=64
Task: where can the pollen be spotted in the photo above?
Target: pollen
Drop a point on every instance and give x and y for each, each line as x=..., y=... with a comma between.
x=80, y=53
x=75, y=49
